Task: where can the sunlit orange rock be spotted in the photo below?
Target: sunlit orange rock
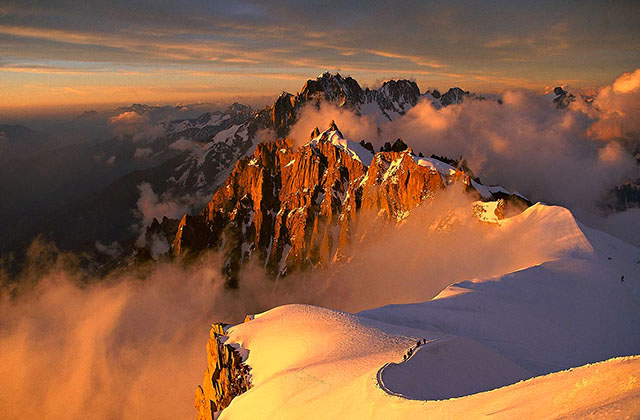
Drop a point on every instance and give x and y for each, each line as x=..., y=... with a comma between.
x=225, y=377
x=295, y=209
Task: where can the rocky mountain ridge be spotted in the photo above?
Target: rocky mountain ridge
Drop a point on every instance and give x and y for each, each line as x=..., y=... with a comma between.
x=201, y=152
x=229, y=135
x=204, y=168
x=295, y=209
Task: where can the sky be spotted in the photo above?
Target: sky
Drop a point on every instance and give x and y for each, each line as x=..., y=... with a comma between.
x=67, y=54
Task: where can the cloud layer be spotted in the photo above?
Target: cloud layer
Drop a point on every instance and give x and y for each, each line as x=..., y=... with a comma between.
x=131, y=345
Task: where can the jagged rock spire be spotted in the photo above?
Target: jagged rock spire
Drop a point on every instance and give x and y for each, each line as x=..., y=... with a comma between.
x=274, y=201
x=397, y=146
x=334, y=127
x=315, y=133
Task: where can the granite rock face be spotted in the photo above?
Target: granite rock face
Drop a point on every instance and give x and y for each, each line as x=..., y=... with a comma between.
x=225, y=378
x=295, y=209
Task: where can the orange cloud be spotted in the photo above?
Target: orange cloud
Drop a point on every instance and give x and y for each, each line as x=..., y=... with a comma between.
x=421, y=61
x=615, y=109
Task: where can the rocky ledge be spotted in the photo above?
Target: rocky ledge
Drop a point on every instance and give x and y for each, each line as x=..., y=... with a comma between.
x=225, y=378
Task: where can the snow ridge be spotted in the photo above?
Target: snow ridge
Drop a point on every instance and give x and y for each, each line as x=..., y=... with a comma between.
x=353, y=149
x=499, y=345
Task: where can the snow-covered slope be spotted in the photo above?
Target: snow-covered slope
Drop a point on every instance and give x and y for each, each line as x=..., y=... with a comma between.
x=478, y=338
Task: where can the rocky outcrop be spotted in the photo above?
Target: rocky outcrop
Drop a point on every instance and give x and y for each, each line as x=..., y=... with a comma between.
x=345, y=92
x=225, y=378
x=283, y=113
x=396, y=184
x=192, y=232
x=623, y=197
x=563, y=98
x=435, y=93
x=294, y=209
x=165, y=230
x=394, y=97
x=453, y=96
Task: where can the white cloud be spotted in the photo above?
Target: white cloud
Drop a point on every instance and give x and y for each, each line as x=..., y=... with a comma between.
x=134, y=126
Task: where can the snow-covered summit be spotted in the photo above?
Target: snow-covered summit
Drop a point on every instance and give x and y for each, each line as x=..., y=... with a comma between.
x=353, y=149
x=501, y=344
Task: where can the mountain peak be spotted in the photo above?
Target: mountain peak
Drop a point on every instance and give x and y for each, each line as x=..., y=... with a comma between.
x=315, y=133
x=401, y=85
x=274, y=200
x=344, y=91
x=327, y=73
x=237, y=107
x=455, y=95
x=331, y=132
x=386, y=103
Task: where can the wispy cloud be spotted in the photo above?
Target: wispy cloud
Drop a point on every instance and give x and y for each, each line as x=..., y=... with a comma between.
x=281, y=76
x=472, y=44
x=545, y=42
x=421, y=61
